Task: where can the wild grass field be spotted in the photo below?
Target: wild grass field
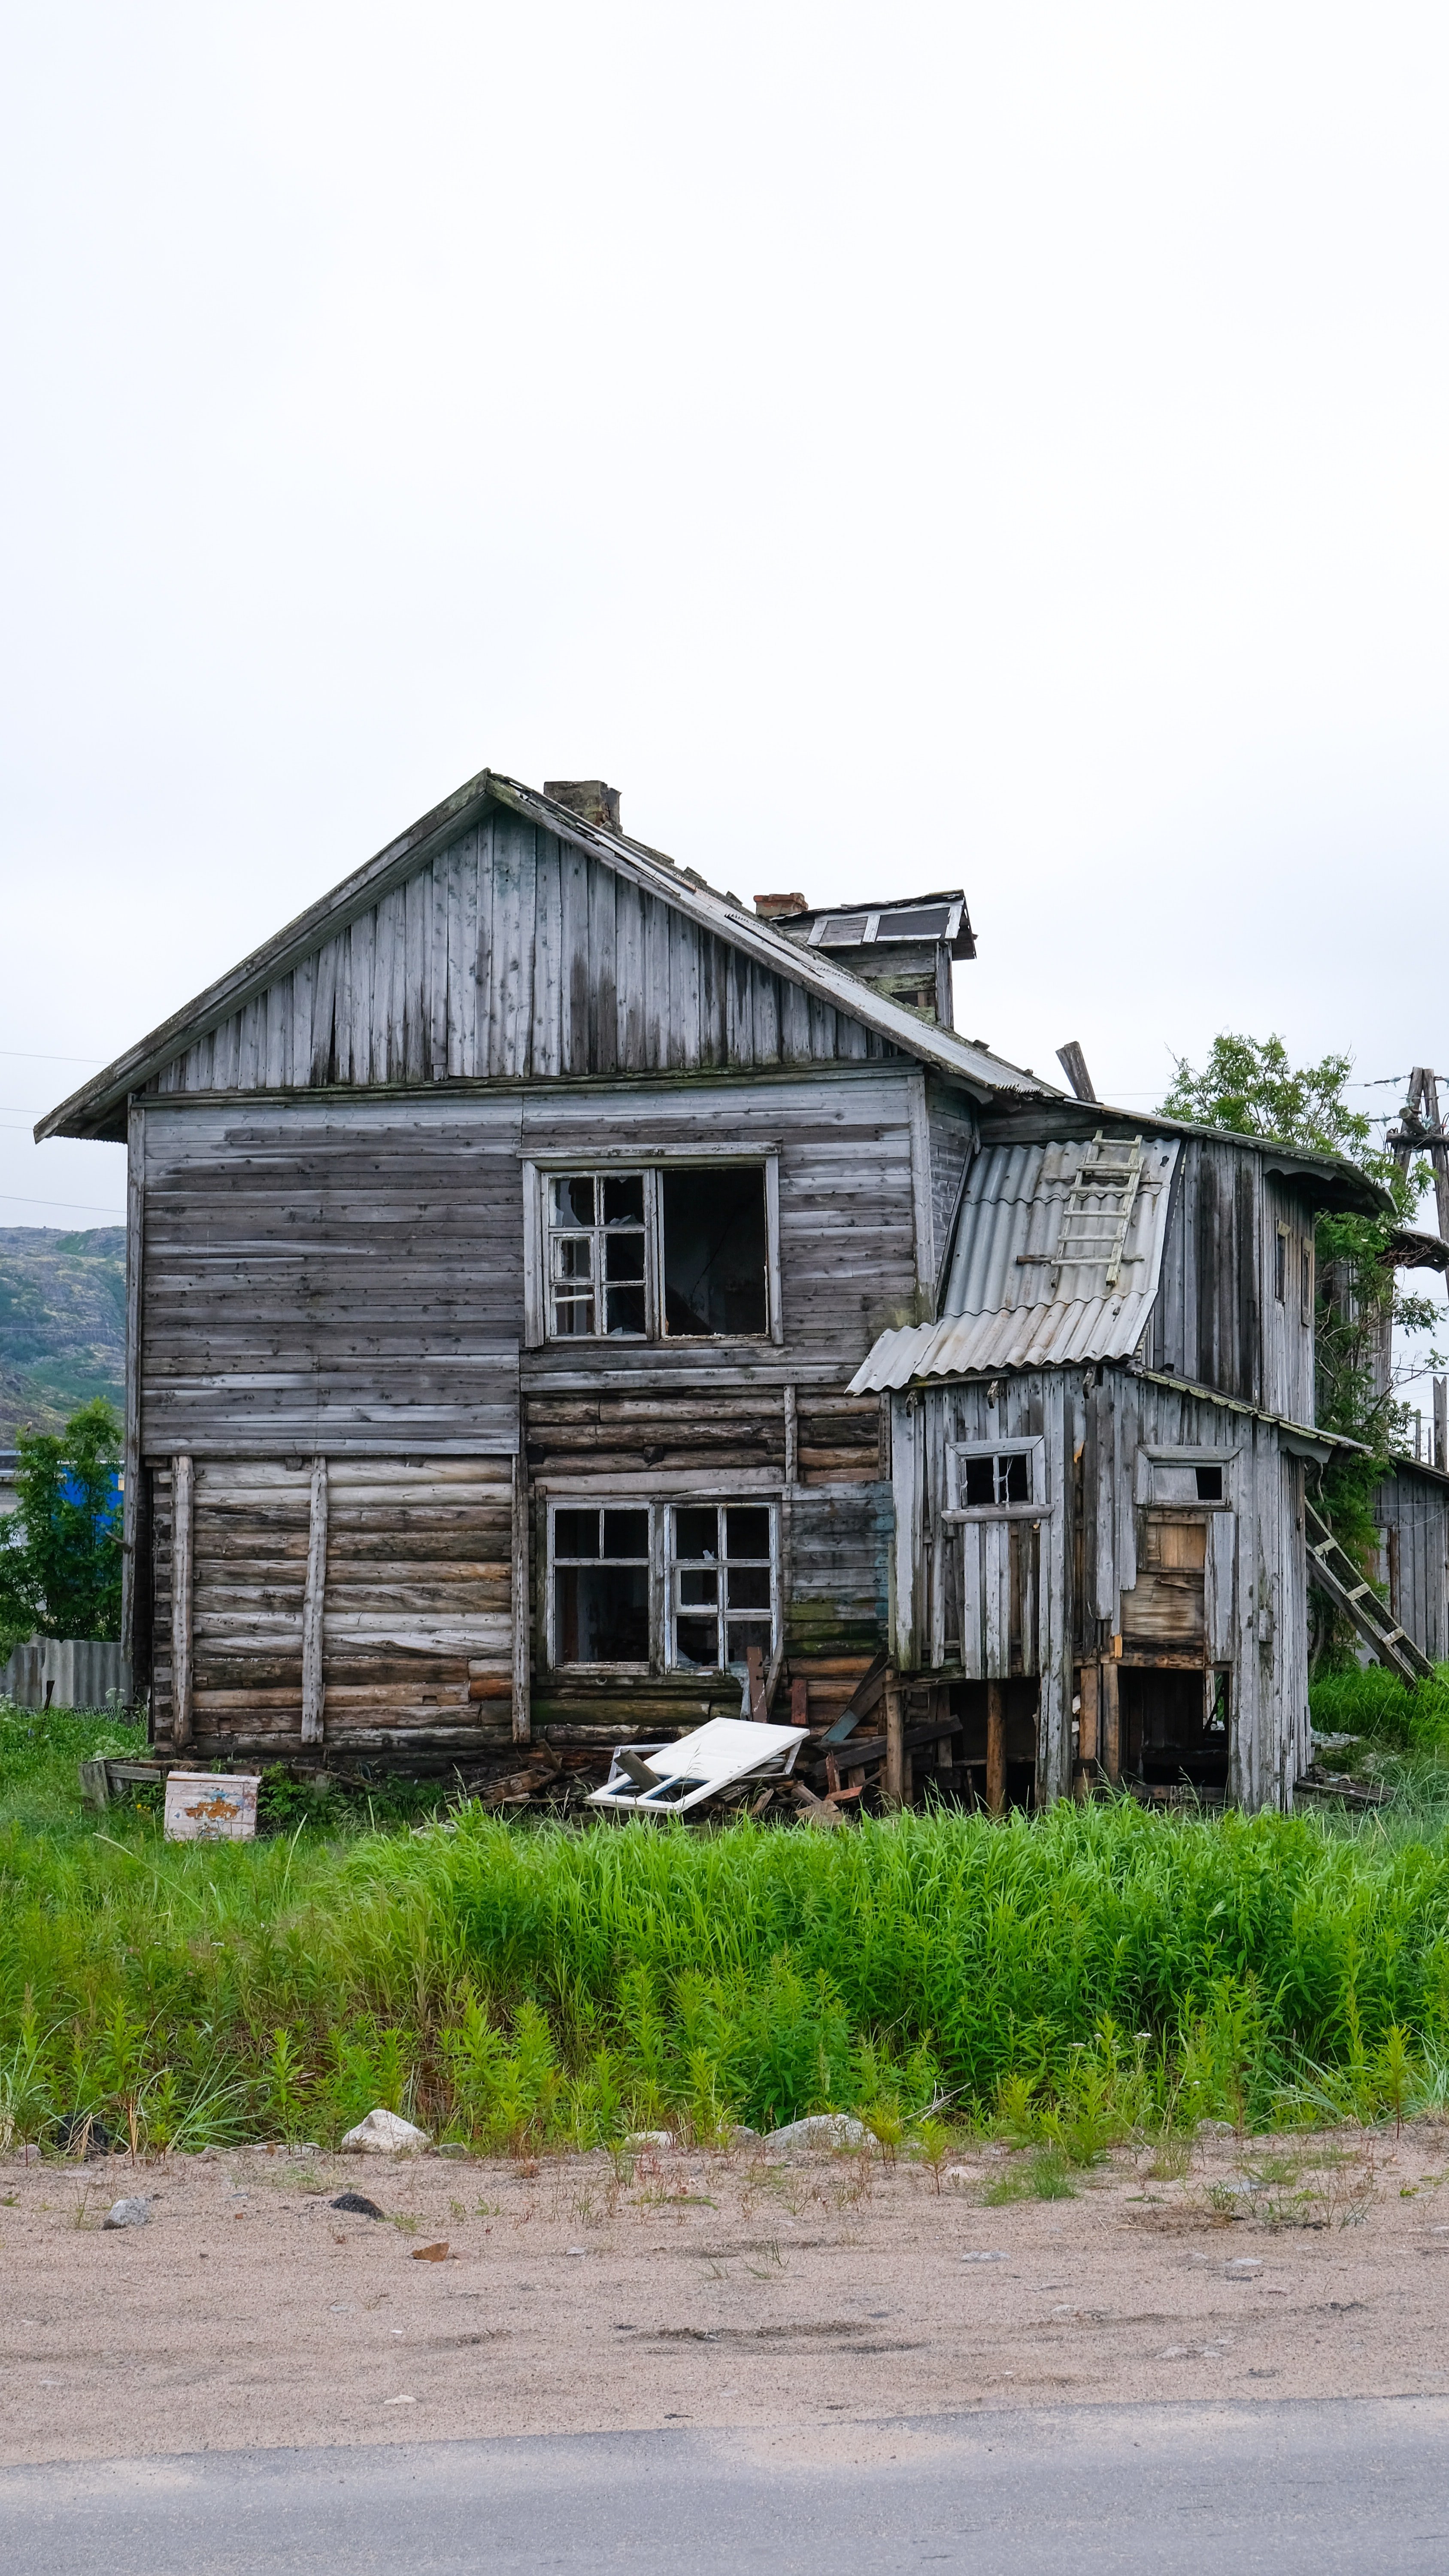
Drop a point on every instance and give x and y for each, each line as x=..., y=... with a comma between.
x=1068, y=1979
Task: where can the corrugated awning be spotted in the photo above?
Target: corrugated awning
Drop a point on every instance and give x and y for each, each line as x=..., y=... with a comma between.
x=1057, y=1260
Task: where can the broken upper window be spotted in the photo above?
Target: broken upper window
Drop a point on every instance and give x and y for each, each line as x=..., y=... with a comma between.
x=673, y=1252
x=718, y=1593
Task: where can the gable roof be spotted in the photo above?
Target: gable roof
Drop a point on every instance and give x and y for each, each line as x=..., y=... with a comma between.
x=97, y=1109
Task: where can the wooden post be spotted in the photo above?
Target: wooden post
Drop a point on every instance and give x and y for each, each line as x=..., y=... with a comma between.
x=181, y=1600
x=996, y=1748
x=1109, y=1725
x=799, y=1702
x=755, y=1684
x=313, y=1683
x=894, y=1783
x=1087, y=1719
x=522, y=1710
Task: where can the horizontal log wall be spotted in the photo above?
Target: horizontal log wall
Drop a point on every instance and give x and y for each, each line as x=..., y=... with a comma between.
x=417, y=1629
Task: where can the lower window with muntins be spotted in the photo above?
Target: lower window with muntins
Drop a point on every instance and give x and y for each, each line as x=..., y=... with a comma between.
x=667, y=1586
x=601, y=1586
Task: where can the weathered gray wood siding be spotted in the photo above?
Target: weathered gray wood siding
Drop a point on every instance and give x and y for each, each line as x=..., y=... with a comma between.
x=951, y=1126
x=847, y=1212
x=417, y=1623
x=512, y=956
x=1218, y=1318
x=1411, y=1507
x=331, y=1277
x=995, y=1599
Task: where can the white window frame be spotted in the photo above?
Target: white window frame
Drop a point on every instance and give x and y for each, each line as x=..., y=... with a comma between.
x=601, y=1503
x=664, y=1609
x=1037, y=1508
x=1148, y=1458
x=674, y=1565
x=539, y=1170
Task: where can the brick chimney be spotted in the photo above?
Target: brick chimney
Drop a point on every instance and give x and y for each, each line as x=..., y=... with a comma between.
x=779, y=907
x=589, y=798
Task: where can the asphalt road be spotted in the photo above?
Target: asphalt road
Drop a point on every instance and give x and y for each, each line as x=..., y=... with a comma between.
x=1321, y=2486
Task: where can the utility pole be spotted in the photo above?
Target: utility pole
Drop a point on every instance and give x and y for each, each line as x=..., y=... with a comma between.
x=1421, y=1131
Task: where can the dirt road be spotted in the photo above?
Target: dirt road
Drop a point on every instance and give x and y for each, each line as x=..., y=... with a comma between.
x=700, y=2289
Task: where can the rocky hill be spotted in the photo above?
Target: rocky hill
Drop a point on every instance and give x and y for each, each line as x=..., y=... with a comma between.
x=62, y=1323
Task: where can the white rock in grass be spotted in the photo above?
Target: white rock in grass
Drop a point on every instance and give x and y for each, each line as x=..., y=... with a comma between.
x=824, y=2129
x=128, y=2213
x=638, y=2139
x=382, y=2133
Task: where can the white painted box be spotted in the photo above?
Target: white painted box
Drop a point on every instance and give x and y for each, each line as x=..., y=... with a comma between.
x=211, y=1806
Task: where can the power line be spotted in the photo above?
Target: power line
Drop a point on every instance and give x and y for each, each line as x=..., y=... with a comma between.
x=82, y=1207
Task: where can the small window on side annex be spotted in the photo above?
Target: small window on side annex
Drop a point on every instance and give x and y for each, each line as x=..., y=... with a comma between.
x=671, y=1253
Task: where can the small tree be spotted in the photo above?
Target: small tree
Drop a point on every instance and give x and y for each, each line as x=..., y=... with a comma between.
x=60, y=1552
x=1249, y=1087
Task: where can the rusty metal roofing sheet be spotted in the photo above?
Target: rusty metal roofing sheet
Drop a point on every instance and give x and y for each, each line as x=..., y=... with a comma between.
x=1007, y=1303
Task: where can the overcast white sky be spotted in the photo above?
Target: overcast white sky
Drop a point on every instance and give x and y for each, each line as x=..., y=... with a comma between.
x=897, y=447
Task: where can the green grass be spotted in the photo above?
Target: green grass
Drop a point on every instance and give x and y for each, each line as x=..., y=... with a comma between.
x=1374, y=1703
x=1066, y=1979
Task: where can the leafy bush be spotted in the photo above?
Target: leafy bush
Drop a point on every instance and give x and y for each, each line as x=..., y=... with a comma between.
x=60, y=1551
x=1373, y=1702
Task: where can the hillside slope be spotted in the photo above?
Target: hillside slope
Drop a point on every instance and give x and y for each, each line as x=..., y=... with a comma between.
x=62, y=1323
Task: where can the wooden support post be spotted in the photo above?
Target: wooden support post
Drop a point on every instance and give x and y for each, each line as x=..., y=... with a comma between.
x=755, y=1684
x=792, y=1437
x=522, y=1711
x=181, y=1561
x=799, y=1703
x=1109, y=1722
x=894, y=1781
x=1087, y=1719
x=996, y=1748
x=313, y=1683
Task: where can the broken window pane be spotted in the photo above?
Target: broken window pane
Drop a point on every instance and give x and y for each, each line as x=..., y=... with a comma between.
x=989, y=1481
x=1209, y=1484
x=596, y=1240
x=576, y=1533
x=573, y=1202
x=715, y=1278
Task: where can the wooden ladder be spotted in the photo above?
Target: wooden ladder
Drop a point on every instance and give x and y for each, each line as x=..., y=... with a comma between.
x=1099, y=1234
x=1336, y=1575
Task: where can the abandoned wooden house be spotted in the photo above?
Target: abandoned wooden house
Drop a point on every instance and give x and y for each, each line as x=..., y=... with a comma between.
x=556, y=1289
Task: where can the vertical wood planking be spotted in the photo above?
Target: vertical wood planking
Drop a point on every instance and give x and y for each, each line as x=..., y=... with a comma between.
x=313, y=1598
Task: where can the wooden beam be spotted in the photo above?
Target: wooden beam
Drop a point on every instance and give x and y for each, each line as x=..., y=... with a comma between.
x=894, y=1784
x=996, y=1748
x=181, y=1579
x=313, y=1682
x=1087, y=1721
x=522, y=1695
x=1109, y=1720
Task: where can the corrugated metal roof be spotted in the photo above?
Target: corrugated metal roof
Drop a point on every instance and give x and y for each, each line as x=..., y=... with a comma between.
x=1008, y=1302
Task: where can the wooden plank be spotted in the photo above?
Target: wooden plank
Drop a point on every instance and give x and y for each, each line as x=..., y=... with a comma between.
x=181, y=1670
x=313, y=1682
x=996, y=1748
x=894, y=1783
x=518, y=1607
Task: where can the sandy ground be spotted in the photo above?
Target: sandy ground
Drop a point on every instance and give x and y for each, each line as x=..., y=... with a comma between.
x=700, y=2289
